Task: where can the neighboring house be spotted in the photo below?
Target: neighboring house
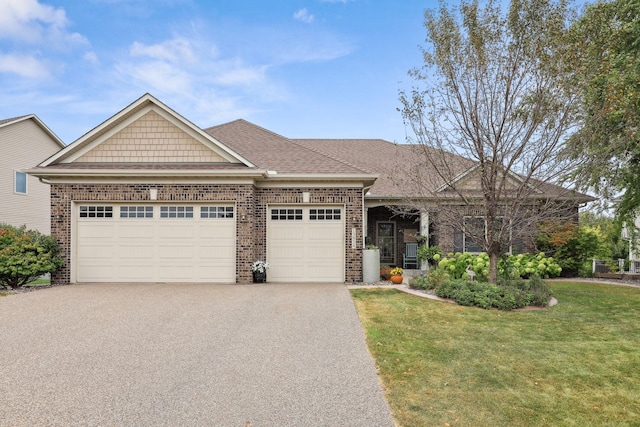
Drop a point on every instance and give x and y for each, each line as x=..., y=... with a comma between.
x=147, y=196
x=24, y=200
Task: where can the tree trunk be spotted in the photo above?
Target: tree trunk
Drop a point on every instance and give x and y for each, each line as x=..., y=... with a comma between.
x=493, y=267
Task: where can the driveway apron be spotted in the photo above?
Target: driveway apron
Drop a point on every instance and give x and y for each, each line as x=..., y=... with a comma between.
x=187, y=355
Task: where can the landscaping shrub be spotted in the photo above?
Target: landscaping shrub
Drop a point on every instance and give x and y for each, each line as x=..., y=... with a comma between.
x=528, y=265
x=507, y=296
x=511, y=267
x=26, y=255
x=571, y=245
x=419, y=282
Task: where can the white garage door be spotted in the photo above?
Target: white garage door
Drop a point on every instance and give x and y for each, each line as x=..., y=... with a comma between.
x=305, y=244
x=155, y=243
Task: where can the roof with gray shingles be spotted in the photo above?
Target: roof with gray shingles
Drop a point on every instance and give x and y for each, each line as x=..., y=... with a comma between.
x=271, y=151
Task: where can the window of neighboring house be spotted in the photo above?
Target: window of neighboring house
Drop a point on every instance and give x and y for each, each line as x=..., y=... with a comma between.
x=20, y=182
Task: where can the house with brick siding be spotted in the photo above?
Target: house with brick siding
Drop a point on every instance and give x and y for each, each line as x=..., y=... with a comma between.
x=24, y=141
x=147, y=196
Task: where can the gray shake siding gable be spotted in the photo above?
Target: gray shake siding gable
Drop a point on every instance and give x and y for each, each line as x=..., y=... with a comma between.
x=251, y=210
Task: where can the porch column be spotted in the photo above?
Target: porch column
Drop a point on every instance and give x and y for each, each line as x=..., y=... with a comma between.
x=365, y=225
x=424, y=231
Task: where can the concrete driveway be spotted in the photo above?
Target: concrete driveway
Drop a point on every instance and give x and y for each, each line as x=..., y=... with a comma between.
x=186, y=355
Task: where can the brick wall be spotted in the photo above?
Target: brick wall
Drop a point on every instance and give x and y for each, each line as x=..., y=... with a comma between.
x=250, y=205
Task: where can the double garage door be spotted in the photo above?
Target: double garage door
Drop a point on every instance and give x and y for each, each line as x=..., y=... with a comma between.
x=155, y=243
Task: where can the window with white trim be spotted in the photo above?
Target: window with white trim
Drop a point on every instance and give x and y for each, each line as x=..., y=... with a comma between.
x=20, y=182
x=475, y=228
x=216, y=211
x=96, y=211
x=176, y=211
x=286, y=214
x=325, y=214
x=136, y=211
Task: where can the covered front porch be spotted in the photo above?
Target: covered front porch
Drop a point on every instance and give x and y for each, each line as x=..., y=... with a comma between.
x=397, y=235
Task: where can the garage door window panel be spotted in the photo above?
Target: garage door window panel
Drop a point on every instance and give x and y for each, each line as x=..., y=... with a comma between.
x=216, y=212
x=176, y=211
x=325, y=214
x=136, y=211
x=286, y=214
x=96, y=212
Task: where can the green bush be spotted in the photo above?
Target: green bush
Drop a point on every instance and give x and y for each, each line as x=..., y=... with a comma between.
x=508, y=295
x=528, y=265
x=418, y=282
x=511, y=266
x=26, y=255
x=431, y=254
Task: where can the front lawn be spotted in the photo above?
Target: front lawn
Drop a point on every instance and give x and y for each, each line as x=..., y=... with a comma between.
x=574, y=364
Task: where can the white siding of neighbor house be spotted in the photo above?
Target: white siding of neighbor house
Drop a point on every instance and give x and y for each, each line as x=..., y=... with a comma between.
x=24, y=145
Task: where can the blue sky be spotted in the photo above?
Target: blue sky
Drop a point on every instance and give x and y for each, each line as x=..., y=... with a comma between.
x=301, y=68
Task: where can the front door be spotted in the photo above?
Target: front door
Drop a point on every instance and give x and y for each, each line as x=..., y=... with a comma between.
x=386, y=236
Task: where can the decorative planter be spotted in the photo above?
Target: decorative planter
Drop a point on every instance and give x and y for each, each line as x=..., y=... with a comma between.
x=370, y=265
x=259, y=277
x=396, y=279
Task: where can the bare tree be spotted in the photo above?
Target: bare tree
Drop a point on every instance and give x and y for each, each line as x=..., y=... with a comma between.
x=489, y=115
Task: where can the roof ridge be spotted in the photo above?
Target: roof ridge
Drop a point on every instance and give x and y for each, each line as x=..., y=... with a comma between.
x=247, y=122
x=339, y=160
x=294, y=141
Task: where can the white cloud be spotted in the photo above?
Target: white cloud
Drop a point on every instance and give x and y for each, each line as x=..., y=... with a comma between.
x=303, y=15
x=175, y=50
x=23, y=65
x=29, y=21
x=92, y=58
x=182, y=64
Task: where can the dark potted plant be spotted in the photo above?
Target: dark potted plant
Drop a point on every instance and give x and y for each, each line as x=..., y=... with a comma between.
x=260, y=271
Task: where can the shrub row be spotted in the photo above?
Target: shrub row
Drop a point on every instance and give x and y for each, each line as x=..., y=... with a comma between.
x=512, y=266
x=506, y=295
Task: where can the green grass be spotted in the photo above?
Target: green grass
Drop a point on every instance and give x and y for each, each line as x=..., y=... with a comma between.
x=575, y=364
x=39, y=282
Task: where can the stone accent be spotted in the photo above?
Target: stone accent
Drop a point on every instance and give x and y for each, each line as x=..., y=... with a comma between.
x=151, y=139
x=250, y=215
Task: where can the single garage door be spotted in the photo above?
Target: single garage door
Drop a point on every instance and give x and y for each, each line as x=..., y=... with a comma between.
x=155, y=243
x=305, y=244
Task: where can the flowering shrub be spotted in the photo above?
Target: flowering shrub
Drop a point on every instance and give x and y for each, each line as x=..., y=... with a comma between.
x=456, y=265
x=528, y=265
x=513, y=266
